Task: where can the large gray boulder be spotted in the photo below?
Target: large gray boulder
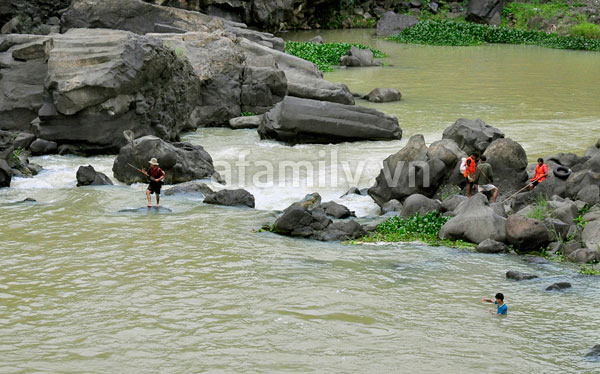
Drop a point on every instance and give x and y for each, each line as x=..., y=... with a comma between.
x=300, y=221
x=584, y=255
x=124, y=81
x=358, y=57
x=143, y=18
x=304, y=79
x=391, y=23
x=589, y=194
x=335, y=210
x=407, y=172
x=5, y=174
x=446, y=150
x=509, y=163
x=591, y=235
x=472, y=135
x=527, y=234
x=88, y=176
x=21, y=81
x=580, y=180
x=296, y=120
x=475, y=223
x=485, y=11
x=594, y=150
x=262, y=88
x=419, y=204
x=219, y=64
x=181, y=162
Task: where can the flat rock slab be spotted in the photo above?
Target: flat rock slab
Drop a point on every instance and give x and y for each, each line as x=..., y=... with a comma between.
x=144, y=209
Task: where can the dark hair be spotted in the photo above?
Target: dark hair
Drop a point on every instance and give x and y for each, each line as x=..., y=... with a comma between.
x=475, y=154
x=541, y=160
x=483, y=158
x=500, y=296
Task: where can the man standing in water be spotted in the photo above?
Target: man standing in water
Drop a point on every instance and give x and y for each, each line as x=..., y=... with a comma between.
x=541, y=172
x=485, y=177
x=156, y=176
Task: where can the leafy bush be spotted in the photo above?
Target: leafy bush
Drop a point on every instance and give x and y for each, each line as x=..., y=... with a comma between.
x=324, y=55
x=465, y=34
x=248, y=114
x=522, y=12
x=586, y=30
x=540, y=209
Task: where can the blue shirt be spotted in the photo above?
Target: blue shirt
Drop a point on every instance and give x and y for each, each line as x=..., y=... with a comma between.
x=501, y=309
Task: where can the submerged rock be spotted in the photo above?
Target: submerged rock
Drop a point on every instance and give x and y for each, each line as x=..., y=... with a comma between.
x=491, y=246
x=518, y=276
x=383, y=95
x=336, y=210
x=558, y=286
x=359, y=57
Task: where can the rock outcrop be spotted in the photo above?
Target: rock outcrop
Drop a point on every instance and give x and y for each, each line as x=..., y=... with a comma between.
x=237, y=197
x=509, y=162
x=181, y=162
x=485, y=11
x=407, y=172
x=391, y=23
x=296, y=120
x=143, y=18
x=472, y=135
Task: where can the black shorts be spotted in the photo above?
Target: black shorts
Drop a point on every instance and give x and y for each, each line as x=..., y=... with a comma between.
x=535, y=183
x=154, y=187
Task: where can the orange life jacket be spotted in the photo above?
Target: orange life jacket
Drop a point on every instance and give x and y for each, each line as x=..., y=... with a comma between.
x=540, y=171
x=470, y=170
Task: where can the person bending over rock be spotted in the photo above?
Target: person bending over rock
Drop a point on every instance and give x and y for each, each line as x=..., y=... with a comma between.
x=541, y=172
x=485, y=177
x=156, y=176
x=502, y=308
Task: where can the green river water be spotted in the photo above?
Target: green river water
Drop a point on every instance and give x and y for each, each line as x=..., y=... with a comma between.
x=85, y=288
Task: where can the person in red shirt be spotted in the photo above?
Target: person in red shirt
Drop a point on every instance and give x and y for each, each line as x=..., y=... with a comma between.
x=470, y=171
x=156, y=176
x=541, y=172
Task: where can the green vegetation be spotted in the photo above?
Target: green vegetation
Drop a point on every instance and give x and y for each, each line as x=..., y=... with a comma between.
x=324, y=55
x=14, y=157
x=589, y=270
x=248, y=114
x=466, y=34
x=522, y=14
x=586, y=30
x=540, y=209
x=416, y=228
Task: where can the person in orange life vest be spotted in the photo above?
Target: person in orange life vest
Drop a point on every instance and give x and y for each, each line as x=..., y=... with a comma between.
x=156, y=176
x=541, y=172
x=470, y=172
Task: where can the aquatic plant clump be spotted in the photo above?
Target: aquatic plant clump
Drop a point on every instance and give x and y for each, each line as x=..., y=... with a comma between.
x=467, y=34
x=324, y=55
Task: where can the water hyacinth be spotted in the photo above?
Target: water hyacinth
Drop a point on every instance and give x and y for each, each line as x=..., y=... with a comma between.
x=324, y=55
x=467, y=34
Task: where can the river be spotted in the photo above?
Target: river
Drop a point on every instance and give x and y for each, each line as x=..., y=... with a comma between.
x=85, y=288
